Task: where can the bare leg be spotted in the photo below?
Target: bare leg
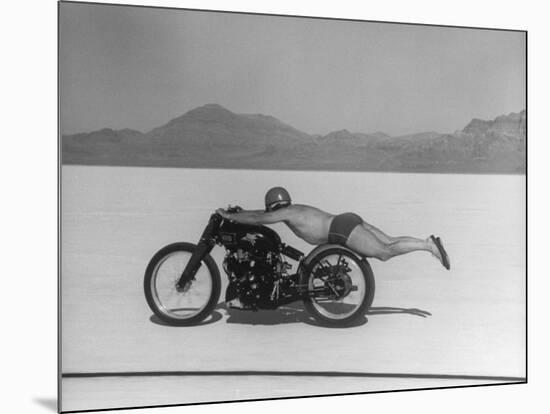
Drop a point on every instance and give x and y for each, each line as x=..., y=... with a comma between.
x=384, y=238
x=371, y=242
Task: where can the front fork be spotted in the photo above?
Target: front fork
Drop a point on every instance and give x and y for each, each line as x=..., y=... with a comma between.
x=203, y=248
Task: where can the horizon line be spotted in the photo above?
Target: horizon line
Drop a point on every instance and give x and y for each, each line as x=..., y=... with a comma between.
x=292, y=126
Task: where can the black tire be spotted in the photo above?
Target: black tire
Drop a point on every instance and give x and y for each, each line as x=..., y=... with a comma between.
x=368, y=277
x=150, y=278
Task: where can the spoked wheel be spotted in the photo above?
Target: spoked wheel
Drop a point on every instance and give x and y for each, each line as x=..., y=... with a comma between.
x=340, y=287
x=195, y=301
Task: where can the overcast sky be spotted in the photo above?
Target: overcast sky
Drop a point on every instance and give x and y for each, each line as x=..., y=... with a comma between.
x=129, y=67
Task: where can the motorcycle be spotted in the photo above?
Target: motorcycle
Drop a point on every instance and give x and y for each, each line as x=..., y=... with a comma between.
x=182, y=282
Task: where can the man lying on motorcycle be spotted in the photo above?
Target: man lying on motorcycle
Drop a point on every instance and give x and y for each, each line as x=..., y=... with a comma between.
x=316, y=227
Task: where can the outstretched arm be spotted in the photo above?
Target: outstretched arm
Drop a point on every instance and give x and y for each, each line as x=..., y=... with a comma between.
x=253, y=216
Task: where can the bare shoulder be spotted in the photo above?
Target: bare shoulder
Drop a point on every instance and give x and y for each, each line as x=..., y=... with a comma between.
x=298, y=209
x=305, y=210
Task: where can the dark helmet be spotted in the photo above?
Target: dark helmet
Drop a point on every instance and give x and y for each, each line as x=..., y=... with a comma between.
x=276, y=198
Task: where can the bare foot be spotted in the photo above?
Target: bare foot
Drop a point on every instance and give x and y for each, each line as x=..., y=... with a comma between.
x=433, y=248
x=438, y=251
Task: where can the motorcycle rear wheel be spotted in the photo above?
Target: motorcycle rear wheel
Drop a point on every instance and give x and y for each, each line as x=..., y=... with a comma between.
x=196, y=301
x=344, y=293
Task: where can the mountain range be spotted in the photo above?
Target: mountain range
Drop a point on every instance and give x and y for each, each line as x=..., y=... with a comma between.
x=211, y=136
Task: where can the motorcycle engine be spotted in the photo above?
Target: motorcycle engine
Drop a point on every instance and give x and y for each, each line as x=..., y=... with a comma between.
x=253, y=268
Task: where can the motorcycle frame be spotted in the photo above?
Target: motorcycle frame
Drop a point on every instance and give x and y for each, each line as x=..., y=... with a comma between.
x=210, y=238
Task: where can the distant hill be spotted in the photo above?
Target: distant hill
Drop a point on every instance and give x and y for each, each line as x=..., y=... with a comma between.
x=211, y=136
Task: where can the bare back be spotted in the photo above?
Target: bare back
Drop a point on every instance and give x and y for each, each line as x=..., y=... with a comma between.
x=308, y=223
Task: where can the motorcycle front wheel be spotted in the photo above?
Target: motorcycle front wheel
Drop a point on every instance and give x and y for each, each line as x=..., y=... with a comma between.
x=340, y=287
x=187, y=306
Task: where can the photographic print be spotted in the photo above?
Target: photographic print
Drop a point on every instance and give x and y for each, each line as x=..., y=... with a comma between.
x=263, y=206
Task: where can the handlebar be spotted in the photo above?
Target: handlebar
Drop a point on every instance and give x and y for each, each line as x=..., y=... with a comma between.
x=234, y=209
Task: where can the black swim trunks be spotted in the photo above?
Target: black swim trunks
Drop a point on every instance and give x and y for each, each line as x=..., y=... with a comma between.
x=341, y=227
